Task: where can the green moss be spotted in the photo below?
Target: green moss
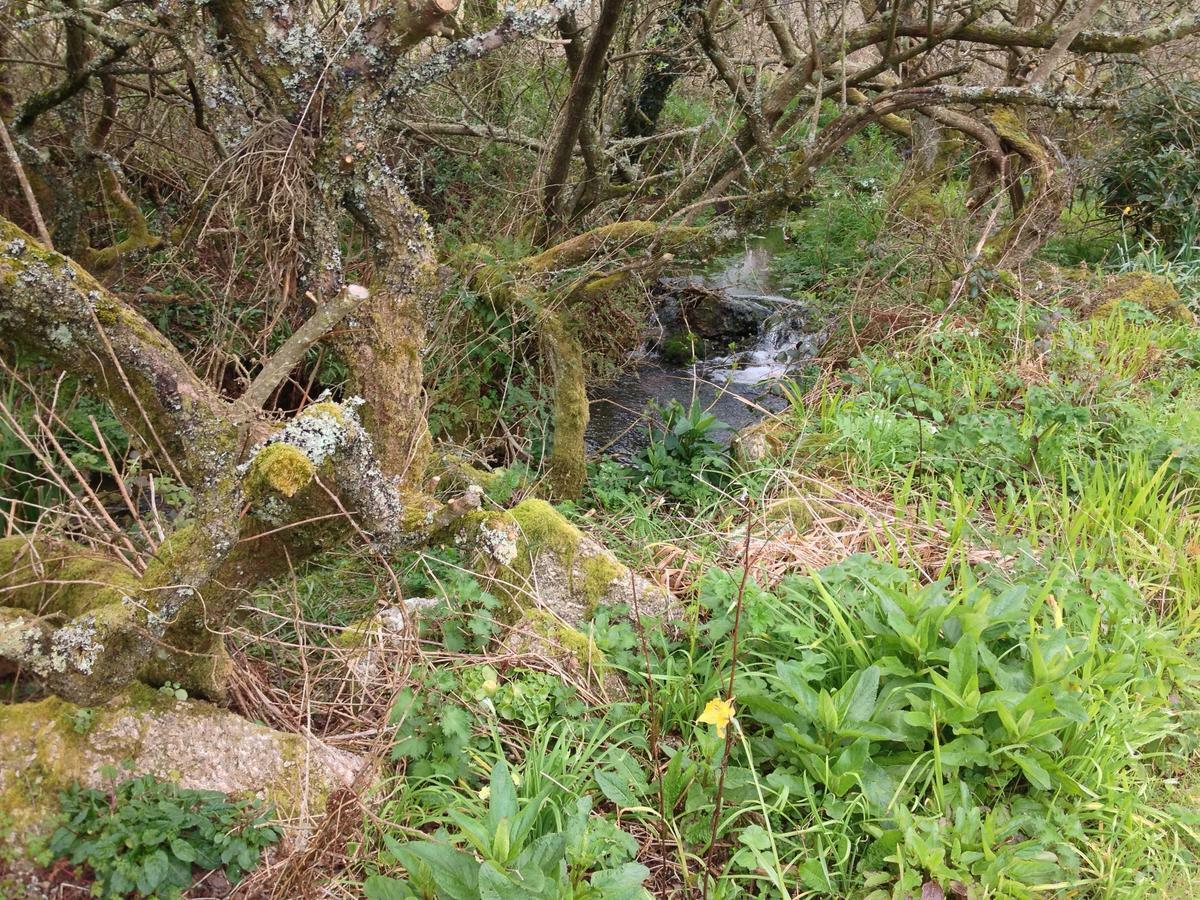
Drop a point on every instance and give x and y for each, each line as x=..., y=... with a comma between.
x=29, y=785
x=680, y=349
x=356, y=633
x=580, y=646
x=1152, y=292
x=326, y=408
x=71, y=579
x=279, y=468
x=922, y=205
x=792, y=509
x=599, y=572
x=543, y=526
x=568, y=464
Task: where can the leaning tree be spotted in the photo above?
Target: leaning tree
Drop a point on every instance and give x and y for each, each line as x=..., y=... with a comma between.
x=259, y=148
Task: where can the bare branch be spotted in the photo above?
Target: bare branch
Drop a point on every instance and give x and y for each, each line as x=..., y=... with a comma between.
x=1063, y=43
x=34, y=210
x=513, y=27
x=287, y=357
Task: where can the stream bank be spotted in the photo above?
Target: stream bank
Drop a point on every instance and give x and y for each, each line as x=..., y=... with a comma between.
x=725, y=337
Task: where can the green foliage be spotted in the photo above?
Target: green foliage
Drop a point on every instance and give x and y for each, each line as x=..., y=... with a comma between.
x=23, y=476
x=1179, y=262
x=1086, y=234
x=1029, y=698
x=525, y=697
x=832, y=241
x=963, y=397
x=683, y=458
x=432, y=730
x=173, y=689
x=146, y=837
x=1152, y=174
x=499, y=851
x=487, y=374
x=82, y=720
x=436, y=719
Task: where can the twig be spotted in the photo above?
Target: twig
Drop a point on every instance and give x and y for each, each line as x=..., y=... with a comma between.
x=292, y=352
x=26, y=189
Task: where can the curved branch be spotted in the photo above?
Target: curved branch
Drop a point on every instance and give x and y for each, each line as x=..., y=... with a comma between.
x=513, y=27
x=287, y=357
x=52, y=307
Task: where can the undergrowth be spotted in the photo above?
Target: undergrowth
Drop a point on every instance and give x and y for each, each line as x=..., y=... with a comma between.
x=953, y=612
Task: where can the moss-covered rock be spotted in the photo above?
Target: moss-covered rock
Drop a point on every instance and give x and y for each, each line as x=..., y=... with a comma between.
x=47, y=745
x=540, y=632
x=1088, y=292
x=1151, y=292
x=755, y=443
x=540, y=560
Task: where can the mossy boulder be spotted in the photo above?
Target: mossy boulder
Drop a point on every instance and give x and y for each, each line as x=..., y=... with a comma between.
x=1154, y=293
x=541, y=633
x=49, y=744
x=754, y=444
x=540, y=560
x=1088, y=292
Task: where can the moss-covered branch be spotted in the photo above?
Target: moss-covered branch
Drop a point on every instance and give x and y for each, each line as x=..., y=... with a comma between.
x=51, y=306
x=87, y=626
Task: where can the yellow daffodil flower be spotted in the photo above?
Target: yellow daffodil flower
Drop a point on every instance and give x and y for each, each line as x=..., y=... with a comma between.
x=718, y=712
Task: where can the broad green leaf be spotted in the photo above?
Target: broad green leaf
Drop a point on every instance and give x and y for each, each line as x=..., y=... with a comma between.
x=502, y=804
x=545, y=854
x=1033, y=770
x=154, y=869
x=495, y=884
x=380, y=887
x=615, y=788
x=456, y=873
x=856, y=698
x=621, y=883
x=183, y=850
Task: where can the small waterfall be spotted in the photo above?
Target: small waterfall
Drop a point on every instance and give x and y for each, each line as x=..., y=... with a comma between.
x=747, y=336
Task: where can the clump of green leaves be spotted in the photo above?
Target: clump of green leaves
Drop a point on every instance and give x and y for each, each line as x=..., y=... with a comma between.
x=684, y=459
x=972, y=730
x=525, y=696
x=505, y=850
x=82, y=720
x=1152, y=174
x=146, y=837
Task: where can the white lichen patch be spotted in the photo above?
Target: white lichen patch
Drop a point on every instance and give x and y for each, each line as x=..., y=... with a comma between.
x=499, y=543
x=76, y=645
x=61, y=337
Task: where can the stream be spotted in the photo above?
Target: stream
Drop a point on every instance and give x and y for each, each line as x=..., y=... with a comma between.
x=747, y=335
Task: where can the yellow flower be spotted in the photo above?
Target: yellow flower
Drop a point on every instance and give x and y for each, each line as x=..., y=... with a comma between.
x=485, y=792
x=1127, y=210
x=718, y=712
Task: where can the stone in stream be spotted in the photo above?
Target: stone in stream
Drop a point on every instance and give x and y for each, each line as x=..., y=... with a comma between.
x=719, y=318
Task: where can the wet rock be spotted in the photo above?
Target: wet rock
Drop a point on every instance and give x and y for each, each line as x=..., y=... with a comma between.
x=758, y=442
x=718, y=318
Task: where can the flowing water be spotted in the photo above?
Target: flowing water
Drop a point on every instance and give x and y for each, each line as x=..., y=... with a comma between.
x=738, y=387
